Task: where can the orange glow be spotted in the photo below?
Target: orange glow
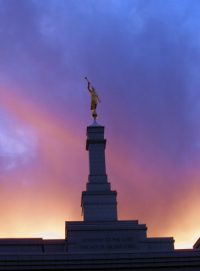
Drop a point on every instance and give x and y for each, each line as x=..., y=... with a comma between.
x=175, y=215
x=35, y=198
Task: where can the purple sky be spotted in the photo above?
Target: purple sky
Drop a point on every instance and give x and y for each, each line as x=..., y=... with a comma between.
x=143, y=58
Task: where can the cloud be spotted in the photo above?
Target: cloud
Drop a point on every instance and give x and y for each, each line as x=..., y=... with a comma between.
x=18, y=143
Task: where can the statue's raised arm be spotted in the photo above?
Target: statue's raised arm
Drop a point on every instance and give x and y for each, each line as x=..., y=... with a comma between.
x=89, y=84
x=94, y=99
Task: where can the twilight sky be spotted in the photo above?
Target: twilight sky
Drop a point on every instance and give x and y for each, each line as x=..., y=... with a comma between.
x=143, y=57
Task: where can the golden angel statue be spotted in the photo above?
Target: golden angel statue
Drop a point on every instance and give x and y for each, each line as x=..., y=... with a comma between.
x=94, y=99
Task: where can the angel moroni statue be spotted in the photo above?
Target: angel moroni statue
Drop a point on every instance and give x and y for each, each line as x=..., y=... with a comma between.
x=94, y=99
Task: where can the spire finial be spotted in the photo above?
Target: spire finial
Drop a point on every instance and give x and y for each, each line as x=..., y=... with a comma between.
x=94, y=99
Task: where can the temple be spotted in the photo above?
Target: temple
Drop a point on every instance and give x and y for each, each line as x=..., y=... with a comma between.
x=101, y=241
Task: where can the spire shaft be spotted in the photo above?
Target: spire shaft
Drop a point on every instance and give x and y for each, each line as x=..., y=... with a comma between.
x=98, y=201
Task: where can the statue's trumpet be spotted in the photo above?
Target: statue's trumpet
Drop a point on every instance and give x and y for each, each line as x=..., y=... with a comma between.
x=86, y=79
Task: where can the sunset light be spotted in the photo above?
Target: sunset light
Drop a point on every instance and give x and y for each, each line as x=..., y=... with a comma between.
x=144, y=64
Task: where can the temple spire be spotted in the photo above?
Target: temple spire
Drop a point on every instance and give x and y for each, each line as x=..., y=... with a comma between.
x=98, y=201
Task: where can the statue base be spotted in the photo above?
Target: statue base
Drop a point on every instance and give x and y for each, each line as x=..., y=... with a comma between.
x=94, y=114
